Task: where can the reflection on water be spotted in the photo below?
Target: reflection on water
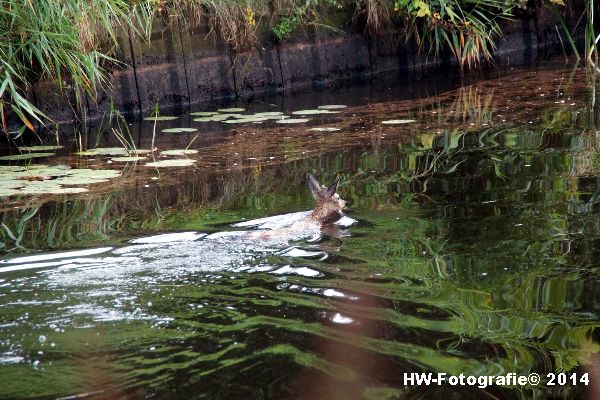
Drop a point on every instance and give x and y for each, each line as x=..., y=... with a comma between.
x=473, y=251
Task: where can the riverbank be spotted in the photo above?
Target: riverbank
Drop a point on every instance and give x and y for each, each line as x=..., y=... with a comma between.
x=179, y=67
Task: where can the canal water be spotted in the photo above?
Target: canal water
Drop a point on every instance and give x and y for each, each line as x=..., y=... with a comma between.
x=470, y=247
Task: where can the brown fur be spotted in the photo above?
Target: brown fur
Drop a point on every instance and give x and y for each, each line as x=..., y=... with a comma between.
x=327, y=211
x=329, y=205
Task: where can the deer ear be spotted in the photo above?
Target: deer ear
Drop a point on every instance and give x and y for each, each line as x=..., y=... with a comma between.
x=314, y=186
x=331, y=189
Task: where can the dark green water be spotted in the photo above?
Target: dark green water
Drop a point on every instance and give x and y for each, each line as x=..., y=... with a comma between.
x=475, y=250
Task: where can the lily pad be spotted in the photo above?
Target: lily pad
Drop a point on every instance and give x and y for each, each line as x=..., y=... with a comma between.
x=43, y=179
x=332, y=107
x=78, y=180
x=203, y=119
x=128, y=159
x=35, y=167
x=50, y=188
x=161, y=118
x=11, y=168
x=96, y=173
x=268, y=113
x=398, y=121
x=276, y=117
x=313, y=112
x=221, y=117
x=70, y=190
x=109, y=151
x=178, y=152
x=114, y=151
x=214, y=118
x=6, y=185
x=230, y=110
x=171, y=163
x=324, y=129
x=44, y=171
x=26, y=156
x=203, y=113
x=246, y=120
x=292, y=121
x=86, y=153
x=179, y=130
x=39, y=148
x=5, y=192
x=232, y=115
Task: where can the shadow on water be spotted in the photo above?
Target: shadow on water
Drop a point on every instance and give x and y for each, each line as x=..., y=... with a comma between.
x=473, y=252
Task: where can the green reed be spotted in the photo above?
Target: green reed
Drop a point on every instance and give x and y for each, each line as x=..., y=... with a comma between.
x=66, y=42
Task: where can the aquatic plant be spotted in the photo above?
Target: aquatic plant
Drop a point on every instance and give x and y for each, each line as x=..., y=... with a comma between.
x=468, y=28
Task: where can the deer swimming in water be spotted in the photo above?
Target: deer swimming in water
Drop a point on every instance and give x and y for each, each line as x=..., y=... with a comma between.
x=328, y=210
x=329, y=204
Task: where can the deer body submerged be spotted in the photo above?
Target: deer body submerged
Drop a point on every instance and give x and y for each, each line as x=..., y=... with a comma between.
x=328, y=210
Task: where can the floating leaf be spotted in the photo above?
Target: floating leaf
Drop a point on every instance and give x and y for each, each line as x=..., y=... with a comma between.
x=171, y=163
x=203, y=119
x=268, y=113
x=45, y=171
x=246, y=120
x=96, y=173
x=178, y=152
x=114, y=151
x=230, y=110
x=226, y=116
x=11, y=168
x=109, y=151
x=10, y=184
x=313, y=112
x=50, y=188
x=86, y=153
x=179, y=130
x=128, y=159
x=27, y=156
x=40, y=179
x=35, y=167
x=324, y=129
x=70, y=190
x=276, y=117
x=139, y=151
x=292, y=121
x=215, y=118
x=332, y=107
x=39, y=148
x=203, y=113
x=220, y=117
x=160, y=118
x=398, y=121
x=5, y=192
x=78, y=180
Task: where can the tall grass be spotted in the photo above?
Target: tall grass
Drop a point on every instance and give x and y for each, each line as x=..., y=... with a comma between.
x=70, y=42
x=65, y=41
x=591, y=36
x=468, y=28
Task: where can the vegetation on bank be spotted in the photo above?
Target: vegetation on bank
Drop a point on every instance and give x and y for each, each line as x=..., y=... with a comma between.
x=70, y=42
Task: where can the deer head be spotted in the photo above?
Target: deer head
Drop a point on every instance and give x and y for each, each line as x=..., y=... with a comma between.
x=329, y=205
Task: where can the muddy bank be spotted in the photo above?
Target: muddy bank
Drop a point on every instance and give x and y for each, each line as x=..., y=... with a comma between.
x=178, y=67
